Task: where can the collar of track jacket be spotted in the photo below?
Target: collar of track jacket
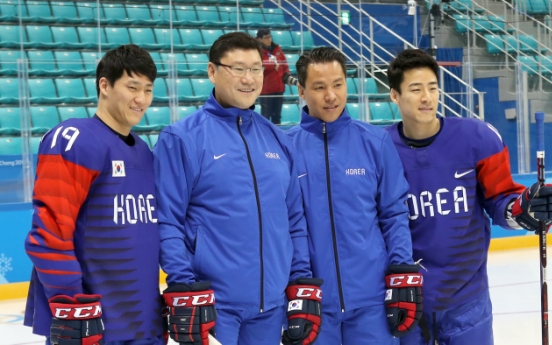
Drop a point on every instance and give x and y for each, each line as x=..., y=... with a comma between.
x=315, y=125
x=213, y=107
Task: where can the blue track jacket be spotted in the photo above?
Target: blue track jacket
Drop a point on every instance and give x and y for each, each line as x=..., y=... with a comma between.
x=230, y=208
x=354, y=194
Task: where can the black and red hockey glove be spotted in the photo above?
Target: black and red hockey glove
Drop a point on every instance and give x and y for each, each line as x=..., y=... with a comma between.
x=532, y=206
x=192, y=312
x=403, y=298
x=304, y=311
x=76, y=320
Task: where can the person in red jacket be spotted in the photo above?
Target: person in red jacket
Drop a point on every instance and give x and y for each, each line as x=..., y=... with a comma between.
x=276, y=76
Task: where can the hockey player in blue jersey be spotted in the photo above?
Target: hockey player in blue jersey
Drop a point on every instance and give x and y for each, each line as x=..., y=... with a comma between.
x=94, y=241
x=354, y=194
x=459, y=175
x=231, y=217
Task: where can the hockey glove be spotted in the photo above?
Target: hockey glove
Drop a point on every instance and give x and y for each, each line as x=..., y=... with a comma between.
x=403, y=298
x=192, y=312
x=532, y=206
x=77, y=320
x=288, y=79
x=303, y=312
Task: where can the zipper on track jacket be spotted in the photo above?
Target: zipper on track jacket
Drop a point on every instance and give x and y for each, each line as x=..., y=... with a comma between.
x=258, y=212
x=334, y=237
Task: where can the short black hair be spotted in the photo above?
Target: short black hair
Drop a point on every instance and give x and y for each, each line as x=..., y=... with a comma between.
x=233, y=41
x=406, y=60
x=321, y=54
x=129, y=58
x=262, y=32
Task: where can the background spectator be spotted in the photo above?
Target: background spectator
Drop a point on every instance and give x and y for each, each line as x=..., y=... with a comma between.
x=276, y=76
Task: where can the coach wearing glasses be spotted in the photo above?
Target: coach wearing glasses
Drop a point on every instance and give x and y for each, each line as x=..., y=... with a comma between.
x=231, y=215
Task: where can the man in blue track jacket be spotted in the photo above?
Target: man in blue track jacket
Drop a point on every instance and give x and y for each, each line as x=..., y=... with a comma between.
x=354, y=194
x=231, y=217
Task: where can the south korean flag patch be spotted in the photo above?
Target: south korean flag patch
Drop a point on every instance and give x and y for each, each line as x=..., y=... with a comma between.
x=388, y=294
x=296, y=304
x=118, y=168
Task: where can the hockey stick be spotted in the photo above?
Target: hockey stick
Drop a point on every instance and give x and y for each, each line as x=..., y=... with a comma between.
x=539, y=118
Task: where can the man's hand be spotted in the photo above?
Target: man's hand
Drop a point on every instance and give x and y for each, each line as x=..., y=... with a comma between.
x=192, y=312
x=303, y=312
x=76, y=320
x=532, y=206
x=403, y=298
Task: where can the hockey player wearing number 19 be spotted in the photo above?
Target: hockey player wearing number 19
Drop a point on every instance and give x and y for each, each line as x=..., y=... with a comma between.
x=94, y=241
x=354, y=193
x=459, y=175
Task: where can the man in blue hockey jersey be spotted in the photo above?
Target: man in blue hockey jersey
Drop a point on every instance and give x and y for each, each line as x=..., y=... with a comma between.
x=354, y=194
x=231, y=220
x=459, y=175
x=94, y=241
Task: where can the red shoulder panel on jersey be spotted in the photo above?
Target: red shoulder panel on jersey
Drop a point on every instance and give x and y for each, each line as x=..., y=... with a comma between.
x=61, y=188
x=495, y=176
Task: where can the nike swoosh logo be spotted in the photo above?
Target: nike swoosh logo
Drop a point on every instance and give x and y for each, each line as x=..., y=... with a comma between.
x=217, y=157
x=457, y=175
x=302, y=175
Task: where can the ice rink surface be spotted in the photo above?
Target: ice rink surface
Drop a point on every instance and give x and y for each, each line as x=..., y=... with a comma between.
x=515, y=293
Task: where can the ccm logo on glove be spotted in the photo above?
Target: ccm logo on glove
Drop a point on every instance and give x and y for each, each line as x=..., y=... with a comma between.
x=309, y=293
x=88, y=312
x=192, y=300
x=405, y=280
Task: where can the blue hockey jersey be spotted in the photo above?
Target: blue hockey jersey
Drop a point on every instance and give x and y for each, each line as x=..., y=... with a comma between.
x=230, y=207
x=354, y=195
x=94, y=229
x=462, y=174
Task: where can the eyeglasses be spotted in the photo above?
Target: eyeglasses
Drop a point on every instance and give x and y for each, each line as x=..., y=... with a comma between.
x=240, y=71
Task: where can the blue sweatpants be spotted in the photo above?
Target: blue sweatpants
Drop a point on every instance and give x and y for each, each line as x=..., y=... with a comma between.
x=249, y=327
x=362, y=326
x=150, y=341
x=469, y=324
